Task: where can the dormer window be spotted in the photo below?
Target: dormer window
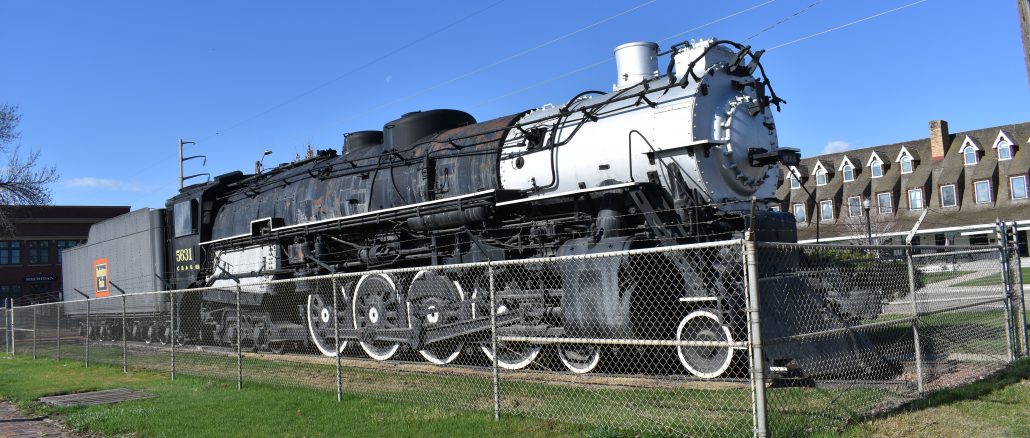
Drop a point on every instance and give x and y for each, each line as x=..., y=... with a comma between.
x=821, y=174
x=847, y=169
x=876, y=169
x=969, y=156
x=794, y=182
x=1004, y=151
x=1004, y=146
x=906, y=160
x=970, y=152
x=875, y=165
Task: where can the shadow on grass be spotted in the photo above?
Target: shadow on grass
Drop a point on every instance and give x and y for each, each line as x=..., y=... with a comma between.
x=1011, y=375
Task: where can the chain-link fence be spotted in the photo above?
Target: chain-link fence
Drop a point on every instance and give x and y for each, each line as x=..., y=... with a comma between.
x=724, y=338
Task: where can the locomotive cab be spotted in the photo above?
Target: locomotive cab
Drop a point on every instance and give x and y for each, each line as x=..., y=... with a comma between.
x=184, y=238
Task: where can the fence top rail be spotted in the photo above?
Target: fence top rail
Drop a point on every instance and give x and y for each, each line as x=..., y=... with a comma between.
x=943, y=249
x=27, y=306
x=343, y=275
x=951, y=253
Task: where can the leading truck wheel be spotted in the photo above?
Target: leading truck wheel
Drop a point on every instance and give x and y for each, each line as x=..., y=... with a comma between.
x=377, y=306
x=708, y=361
x=322, y=326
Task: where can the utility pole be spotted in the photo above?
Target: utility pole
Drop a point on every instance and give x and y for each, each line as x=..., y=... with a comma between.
x=1023, y=7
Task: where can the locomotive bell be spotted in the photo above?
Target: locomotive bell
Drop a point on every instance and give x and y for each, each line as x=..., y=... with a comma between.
x=636, y=62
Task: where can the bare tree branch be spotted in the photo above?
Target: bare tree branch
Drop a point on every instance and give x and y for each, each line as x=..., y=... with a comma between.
x=22, y=180
x=9, y=118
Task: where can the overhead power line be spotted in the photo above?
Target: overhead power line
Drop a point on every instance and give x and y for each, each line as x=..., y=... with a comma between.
x=356, y=69
x=609, y=59
x=836, y=28
x=514, y=56
x=784, y=20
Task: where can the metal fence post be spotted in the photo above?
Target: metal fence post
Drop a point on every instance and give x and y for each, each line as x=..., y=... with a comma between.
x=493, y=347
x=761, y=426
x=915, y=320
x=239, y=341
x=1005, y=293
x=59, y=305
x=171, y=322
x=88, y=331
x=33, y=333
x=7, y=349
x=1019, y=287
x=336, y=336
x=11, y=331
x=125, y=342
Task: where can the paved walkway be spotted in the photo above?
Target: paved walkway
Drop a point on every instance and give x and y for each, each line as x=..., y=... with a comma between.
x=15, y=425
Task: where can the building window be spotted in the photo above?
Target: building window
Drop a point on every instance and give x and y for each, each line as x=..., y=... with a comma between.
x=948, y=196
x=849, y=173
x=906, y=164
x=10, y=291
x=794, y=182
x=1018, y=187
x=915, y=199
x=883, y=203
x=10, y=252
x=876, y=169
x=982, y=192
x=820, y=178
x=826, y=210
x=854, y=206
x=1004, y=151
x=39, y=252
x=799, y=212
x=63, y=245
x=969, y=156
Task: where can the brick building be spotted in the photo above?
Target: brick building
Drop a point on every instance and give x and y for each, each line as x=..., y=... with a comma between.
x=30, y=257
x=963, y=181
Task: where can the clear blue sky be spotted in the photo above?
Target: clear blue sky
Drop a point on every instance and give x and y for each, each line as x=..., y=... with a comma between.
x=107, y=88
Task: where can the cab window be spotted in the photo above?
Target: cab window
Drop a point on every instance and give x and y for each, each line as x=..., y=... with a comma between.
x=185, y=217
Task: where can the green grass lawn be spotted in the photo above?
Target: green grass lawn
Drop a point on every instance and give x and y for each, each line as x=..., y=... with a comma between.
x=936, y=277
x=992, y=279
x=999, y=406
x=298, y=399
x=194, y=406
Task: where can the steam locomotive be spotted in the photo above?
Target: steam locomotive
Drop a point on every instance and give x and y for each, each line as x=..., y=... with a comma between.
x=674, y=154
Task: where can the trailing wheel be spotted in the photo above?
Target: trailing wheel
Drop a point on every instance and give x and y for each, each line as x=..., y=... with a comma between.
x=708, y=361
x=511, y=355
x=439, y=300
x=164, y=335
x=377, y=306
x=321, y=323
x=580, y=359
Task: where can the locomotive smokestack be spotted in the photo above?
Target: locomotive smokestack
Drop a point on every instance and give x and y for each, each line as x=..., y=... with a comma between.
x=636, y=62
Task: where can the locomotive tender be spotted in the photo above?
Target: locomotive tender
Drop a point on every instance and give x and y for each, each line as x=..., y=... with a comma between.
x=672, y=155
